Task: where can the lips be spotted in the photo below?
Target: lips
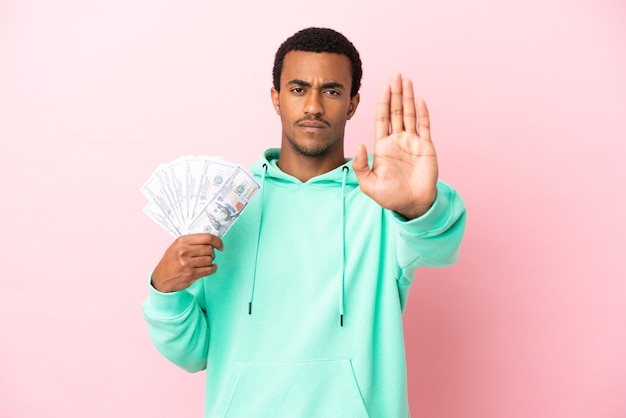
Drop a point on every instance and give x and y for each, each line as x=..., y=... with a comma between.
x=312, y=125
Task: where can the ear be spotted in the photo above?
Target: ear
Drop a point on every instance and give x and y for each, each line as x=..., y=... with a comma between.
x=354, y=103
x=276, y=100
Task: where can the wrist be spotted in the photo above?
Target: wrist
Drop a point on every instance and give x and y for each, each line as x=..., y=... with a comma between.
x=157, y=286
x=415, y=212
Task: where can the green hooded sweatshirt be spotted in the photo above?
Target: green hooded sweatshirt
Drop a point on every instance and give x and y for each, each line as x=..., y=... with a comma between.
x=303, y=317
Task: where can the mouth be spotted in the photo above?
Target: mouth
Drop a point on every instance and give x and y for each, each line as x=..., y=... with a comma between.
x=311, y=126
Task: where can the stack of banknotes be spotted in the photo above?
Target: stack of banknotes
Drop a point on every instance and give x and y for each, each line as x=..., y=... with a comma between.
x=197, y=193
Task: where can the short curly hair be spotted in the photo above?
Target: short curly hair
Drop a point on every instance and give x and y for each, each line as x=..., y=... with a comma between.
x=320, y=40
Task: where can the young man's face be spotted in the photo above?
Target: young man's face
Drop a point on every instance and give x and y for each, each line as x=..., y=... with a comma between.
x=314, y=102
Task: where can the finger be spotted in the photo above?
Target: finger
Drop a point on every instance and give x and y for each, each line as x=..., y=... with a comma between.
x=409, y=116
x=216, y=242
x=201, y=252
x=201, y=262
x=382, y=113
x=204, y=239
x=206, y=271
x=424, y=120
x=395, y=107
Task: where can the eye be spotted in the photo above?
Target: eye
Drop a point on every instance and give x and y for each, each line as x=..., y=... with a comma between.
x=297, y=90
x=333, y=92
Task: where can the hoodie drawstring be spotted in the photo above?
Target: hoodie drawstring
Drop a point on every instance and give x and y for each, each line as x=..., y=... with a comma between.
x=343, y=242
x=258, y=238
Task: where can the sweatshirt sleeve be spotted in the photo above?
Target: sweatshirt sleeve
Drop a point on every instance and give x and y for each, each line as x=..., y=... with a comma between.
x=433, y=239
x=177, y=325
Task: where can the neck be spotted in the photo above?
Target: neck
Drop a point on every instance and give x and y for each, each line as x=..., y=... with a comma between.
x=305, y=167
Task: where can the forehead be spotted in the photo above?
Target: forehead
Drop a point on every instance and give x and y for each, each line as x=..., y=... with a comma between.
x=316, y=67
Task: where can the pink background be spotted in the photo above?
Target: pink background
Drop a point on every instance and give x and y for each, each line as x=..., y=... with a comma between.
x=528, y=100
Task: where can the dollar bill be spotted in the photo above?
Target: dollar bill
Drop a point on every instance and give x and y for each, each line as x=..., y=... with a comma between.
x=155, y=213
x=226, y=205
x=186, y=194
x=158, y=189
x=212, y=176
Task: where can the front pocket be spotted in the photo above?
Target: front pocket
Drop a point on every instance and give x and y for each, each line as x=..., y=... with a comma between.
x=306, y=389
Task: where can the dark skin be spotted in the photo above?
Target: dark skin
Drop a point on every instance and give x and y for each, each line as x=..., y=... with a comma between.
x=189, y=258
x=314, y=104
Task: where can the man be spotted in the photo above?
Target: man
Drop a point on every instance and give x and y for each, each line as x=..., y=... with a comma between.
x=304, y=316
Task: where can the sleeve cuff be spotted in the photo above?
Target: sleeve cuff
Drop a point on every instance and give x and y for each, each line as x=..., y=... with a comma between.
x=172, y=303
x=434, y=218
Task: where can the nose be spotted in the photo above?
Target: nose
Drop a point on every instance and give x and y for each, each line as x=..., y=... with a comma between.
x=313, y=104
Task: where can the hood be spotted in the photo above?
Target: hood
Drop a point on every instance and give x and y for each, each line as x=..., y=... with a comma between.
x=330, y=179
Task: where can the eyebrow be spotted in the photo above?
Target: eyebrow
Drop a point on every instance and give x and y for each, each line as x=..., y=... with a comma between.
x=329, y=85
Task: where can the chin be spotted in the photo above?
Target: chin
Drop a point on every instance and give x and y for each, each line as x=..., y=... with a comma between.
x=310, y=149
x=312, y=152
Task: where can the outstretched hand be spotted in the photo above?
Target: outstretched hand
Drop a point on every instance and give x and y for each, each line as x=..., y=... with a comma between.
x=403, y=177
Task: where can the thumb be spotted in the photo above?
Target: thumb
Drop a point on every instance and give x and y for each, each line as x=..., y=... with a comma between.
x=360, y=166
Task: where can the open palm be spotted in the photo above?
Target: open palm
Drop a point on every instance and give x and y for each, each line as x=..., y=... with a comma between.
x=403, y=176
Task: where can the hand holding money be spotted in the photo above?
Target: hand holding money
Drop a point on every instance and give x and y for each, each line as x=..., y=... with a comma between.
x=196, y=199
x=189, y=258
